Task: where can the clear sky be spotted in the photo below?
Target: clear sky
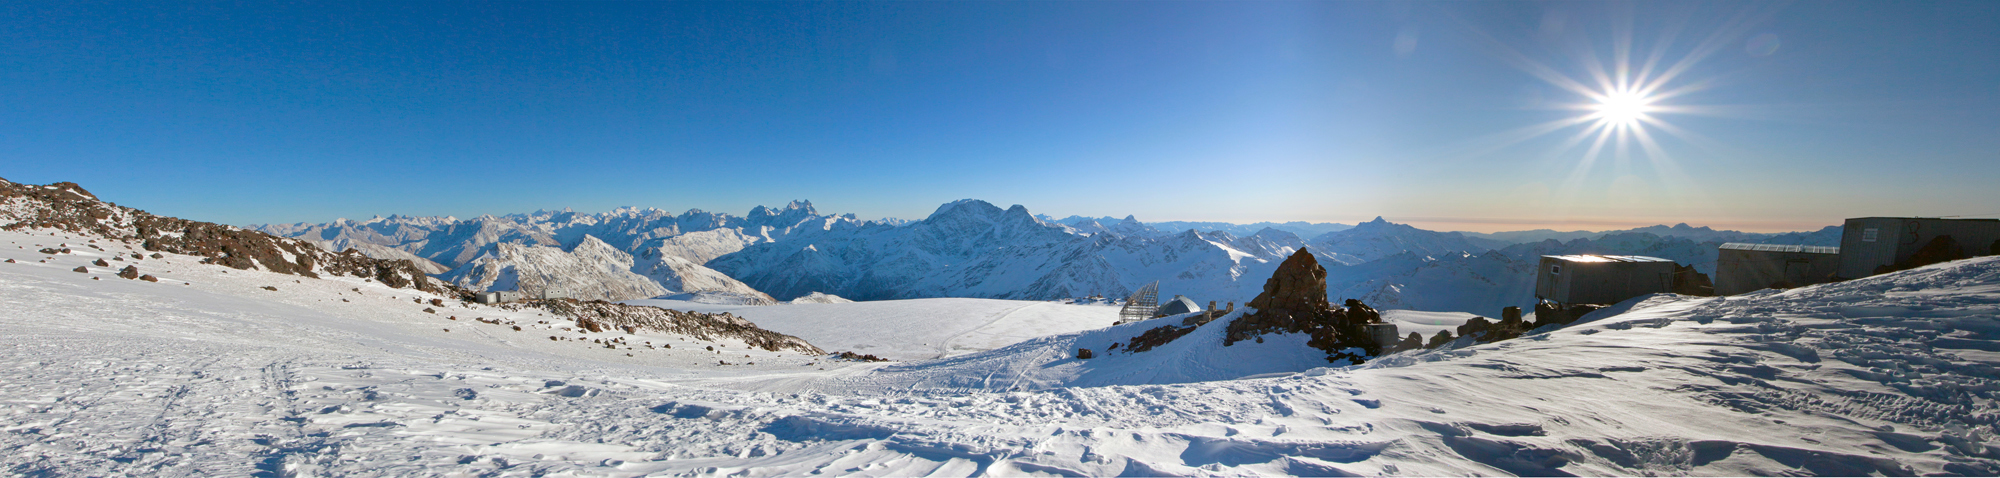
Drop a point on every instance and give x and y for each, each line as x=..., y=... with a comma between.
x=1475, y=116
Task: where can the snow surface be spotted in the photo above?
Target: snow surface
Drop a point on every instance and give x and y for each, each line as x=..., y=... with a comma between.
x=915, y=328
x=206, y=373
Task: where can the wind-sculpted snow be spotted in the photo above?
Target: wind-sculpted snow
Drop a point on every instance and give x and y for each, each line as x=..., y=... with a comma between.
x=205, y=373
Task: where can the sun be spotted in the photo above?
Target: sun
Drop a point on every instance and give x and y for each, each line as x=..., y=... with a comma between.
x=1624, y=108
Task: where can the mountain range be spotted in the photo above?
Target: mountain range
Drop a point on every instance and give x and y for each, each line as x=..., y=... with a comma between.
x=971, y=248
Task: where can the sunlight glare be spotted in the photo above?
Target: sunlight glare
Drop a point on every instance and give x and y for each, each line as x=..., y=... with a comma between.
x=1623, y=107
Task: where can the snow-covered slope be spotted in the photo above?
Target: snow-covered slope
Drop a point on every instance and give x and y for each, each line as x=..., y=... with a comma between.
x=820, y=298
x=207, y=373
x=681, y=275
x=917, y=328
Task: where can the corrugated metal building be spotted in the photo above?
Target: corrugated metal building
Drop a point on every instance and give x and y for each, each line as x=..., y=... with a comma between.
x=1593, y=279
x=1868, y=243
x=1743, y=267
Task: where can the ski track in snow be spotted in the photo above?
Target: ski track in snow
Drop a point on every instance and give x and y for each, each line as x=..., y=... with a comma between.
x=1886, y=375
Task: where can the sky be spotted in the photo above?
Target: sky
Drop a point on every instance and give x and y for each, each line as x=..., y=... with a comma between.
x=1476, y=116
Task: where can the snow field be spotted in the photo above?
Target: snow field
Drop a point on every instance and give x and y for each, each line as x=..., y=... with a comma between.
x=1893, y=375
x=913, y=329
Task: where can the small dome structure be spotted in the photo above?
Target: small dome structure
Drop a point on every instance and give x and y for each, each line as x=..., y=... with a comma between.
x=1180, y=305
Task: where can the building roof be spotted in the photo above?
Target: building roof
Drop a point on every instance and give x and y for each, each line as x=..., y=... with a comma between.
x=1605, y=258
x=1739, y=246
x=1180, y=305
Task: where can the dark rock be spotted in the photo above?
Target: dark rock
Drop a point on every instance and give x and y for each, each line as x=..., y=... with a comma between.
x=1688, y=281
x=50, y=251
x=129, y=272
x=1156, y=337
x=858, y=357
x=81, y=269
x=1474, y=327
x=437, y=302
x=429, y=310
x=1510, y=313
x=157, y=255
x=1294, y=301
x=100, y=263
x=269, y=288
x=1413, y=342
x=136, y=256
x=10, y=261
x=149, y=278
x=1083, y=354
x=1442, y=337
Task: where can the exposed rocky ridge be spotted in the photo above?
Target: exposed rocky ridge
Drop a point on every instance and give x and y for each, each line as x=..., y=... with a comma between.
x=67, y=206
x=598, y=316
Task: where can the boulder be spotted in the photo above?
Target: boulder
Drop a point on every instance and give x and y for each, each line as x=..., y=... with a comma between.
x=100, y=263
x=81, y=269
x=1442, y=337
x=129, y=272
x=149, y=278
x=1082, y=354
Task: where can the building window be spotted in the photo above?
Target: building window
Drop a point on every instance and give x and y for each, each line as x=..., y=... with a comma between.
x=1869, y=234
x=1556, y=269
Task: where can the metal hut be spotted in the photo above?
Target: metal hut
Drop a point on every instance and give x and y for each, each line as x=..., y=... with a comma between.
x=1743, y=267
x=1869, y=243
x=1595, y=279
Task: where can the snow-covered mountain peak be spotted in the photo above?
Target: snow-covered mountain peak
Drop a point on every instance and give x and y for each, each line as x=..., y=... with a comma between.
x=964, y=208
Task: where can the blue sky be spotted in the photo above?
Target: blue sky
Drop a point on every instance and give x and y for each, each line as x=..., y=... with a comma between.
x=1784, y=117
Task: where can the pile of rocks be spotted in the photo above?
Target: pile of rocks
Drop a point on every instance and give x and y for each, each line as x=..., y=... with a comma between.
x=1294, y=301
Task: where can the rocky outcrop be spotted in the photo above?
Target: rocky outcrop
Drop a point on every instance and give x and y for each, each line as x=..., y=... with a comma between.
x=1294, y=301
x=68, y=207
x=600, y=315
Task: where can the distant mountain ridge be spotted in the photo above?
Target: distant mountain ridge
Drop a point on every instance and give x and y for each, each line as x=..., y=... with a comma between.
x=971, y=248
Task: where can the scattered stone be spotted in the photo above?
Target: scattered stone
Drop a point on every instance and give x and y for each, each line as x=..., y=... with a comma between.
x=81, y=269
x=157, y=255
x=100, y=263
x=129, y=272
x=10, y=261
x=149, y=278
x=429, y=310
x=851, y=356
x=437, y=302
x=1083, y=354
x=269, y=288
